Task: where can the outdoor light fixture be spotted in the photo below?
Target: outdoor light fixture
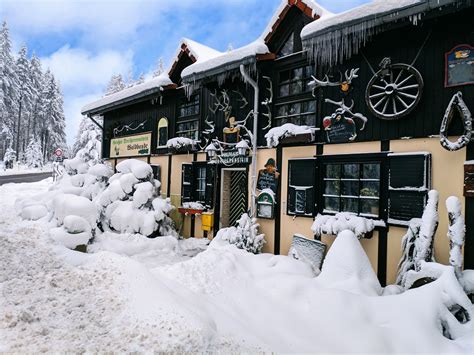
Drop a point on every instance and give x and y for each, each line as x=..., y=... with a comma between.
x=242, y=147
x=211, y=150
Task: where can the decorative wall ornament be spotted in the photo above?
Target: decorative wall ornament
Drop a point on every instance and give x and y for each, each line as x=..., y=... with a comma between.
x=343, y=84
x=340, y=128
x=206, y=134
x=128, y=128
x=456, y=104
x=267, y=103
x=394, y=91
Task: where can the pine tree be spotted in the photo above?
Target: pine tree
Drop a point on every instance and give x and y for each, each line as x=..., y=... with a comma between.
x=34, y=154
x=141, y=79
x=160, y=68
x=115, y=84
x=88, y=141
x=37, y=83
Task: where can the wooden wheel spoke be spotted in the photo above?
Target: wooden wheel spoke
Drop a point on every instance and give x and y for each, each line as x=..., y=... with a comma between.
x=398, y=76
x=409, y=87
x=378, y=87
x=385, y=106
x=377, y=95
x=407, y=95
x=381, y=100
x=406, y=79
x=402, y=102
x=394, y=106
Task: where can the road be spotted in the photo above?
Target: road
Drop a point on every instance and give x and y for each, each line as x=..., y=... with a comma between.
x=24, y=177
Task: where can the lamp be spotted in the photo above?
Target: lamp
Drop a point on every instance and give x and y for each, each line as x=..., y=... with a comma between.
x=242, y=147
x=211, y=150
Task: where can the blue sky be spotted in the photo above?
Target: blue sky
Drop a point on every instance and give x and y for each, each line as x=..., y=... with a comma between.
x=84, y=42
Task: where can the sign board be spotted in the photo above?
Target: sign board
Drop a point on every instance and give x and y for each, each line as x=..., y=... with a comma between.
x=265, y=205
x=58, y=152
x=131, y=146
x=459, y=66
x=469, y=180
x=339, y=129
x=267, y=180
x=231, y=157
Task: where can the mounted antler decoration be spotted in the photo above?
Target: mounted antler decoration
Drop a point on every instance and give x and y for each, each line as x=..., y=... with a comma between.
x=222, y=103
x=344, y=84
x=207, y=132
x=268, y=102
x=340, y=128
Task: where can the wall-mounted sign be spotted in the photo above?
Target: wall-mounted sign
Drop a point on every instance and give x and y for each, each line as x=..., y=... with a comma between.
x=459, y=66
x=469, y=179
x=231, y=157
x=130, y=146
x=339, y=129
x=265, y=205
x=268, y=177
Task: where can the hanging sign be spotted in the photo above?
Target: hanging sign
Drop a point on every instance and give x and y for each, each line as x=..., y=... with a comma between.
x=469, y=179
x=231, y=157
x=268, y=177
x=459, y=66
x=130, y=146
x=265, y=205
x=339, y=129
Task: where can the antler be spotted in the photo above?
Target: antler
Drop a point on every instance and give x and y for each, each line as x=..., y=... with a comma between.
x=348, y=109
x=325, y=81
x=242, y=99
x=352, y=75
x=267, y=102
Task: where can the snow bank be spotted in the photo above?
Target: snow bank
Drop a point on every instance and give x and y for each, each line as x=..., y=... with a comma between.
x=276, y=134
x=329, y=224
x=347, y=267
x=34, y=212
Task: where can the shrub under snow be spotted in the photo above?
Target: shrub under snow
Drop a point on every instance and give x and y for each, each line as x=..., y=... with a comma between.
x=328, y=224
x=244, y=236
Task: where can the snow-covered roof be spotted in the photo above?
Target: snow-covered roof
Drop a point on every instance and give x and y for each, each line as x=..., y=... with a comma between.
x=199, y=51
x=309, y=7
x=148, y=87
x=225, y=61
x=335, y=38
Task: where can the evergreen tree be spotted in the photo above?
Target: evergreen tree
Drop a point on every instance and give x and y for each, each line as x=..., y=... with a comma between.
x=34, y=154
x=141, y=79
x=160, y=68
x=115, y=84
x=88, y=142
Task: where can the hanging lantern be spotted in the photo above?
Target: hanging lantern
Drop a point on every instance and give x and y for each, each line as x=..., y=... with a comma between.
x=211, y=150
x=242, y=147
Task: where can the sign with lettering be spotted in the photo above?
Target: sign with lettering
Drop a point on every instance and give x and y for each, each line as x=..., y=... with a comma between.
x=459, y=66
x=267, y=180
x=469, y=179
x=339, y=129
x=231, y=157
x=130, y=146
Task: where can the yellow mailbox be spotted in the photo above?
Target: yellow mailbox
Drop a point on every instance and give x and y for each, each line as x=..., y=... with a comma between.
x=207, y=221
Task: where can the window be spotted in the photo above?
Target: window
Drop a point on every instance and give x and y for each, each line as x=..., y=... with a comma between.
x=409, y=183
x=352, y=187
x=188, y=118
x=157, y=174
x=197, y=183
x=288, y=46
x=301, y=180
x=299, y=113
x=294, y=81
x=162, y=132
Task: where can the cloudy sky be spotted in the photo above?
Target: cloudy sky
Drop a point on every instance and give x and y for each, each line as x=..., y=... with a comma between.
x=84, y=42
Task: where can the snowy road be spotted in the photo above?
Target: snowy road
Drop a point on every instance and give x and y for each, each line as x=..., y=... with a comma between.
x=139, y=294
x=32, y=177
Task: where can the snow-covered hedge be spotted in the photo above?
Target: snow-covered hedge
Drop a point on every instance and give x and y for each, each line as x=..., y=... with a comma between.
x=329, y=224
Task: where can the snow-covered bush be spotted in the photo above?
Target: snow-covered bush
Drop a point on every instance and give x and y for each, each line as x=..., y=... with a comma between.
x=88, y=144
x=245, y=235
x=131, y=203
x=329, y=224
x=10, y=155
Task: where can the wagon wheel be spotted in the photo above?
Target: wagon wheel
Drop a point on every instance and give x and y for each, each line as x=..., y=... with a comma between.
x=394, y=91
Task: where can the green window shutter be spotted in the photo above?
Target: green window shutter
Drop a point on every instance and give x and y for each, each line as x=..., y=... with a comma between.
x=210, y=184
x=187, y=182
x=301, y=180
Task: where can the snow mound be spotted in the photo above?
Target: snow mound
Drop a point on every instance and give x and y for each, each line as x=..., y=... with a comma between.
x=276, y=134
x=69, y=240
x=34, y=212
x=76, y=224
x=139, y=168
x=66, y=205
x=333, y=225
x=347, y=267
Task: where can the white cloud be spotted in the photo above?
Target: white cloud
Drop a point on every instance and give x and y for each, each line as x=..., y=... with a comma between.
x=79, y=70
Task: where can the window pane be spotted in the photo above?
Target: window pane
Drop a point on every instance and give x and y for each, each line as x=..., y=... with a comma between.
x=369, y=206
x=300, y=202
x=350, y=205
x=297, y=73
x=308, y=106
x=350, y=188
x=308, y=71
x=284, y=90
x=370, y=188
x=331, y=204
x=282, y=111
x=371, y=171
x=295, y=108
x=309, y=120
x=284, y=77
x=351, y=171
x=332, y=187
x=296, y=87
x=333, y=171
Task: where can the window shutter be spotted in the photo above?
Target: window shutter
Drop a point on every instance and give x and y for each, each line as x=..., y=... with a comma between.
x=210, y=183
x=409, y=183
x=301, y=179
x=186, y=182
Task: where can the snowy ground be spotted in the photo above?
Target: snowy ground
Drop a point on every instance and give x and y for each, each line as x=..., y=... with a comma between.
x=136, y=294
x=23, y=169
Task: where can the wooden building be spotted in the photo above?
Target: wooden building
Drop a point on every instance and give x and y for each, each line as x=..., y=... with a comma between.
x=372, y=85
